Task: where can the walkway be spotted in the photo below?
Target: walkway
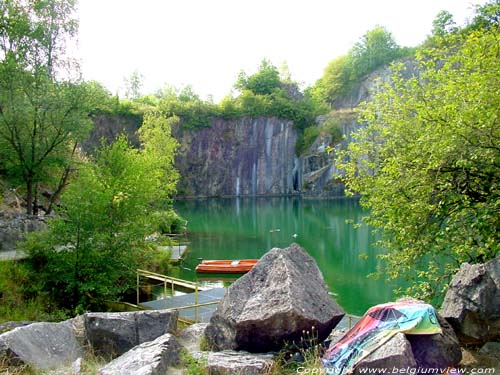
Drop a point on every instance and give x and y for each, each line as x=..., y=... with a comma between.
x=204, y=312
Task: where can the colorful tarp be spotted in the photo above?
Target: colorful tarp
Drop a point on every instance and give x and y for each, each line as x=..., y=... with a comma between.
x=379, y=324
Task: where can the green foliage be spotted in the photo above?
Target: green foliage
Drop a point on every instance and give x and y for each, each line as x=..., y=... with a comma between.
x=133, y=85
x=336, y=80
x=90, y=252
x=169, y=222
x=329, y=127
x=18, y=301
x=192, y=366
x=264, y=82
x=487, y=16
x=192, y=111
x=265, y=94
x=156, y=259
x=42, y=119
x=375, y=49
x=428, y=163
x=443, y=24
x=302, y=357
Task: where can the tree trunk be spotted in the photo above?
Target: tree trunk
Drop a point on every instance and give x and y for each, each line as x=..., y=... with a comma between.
x=35, y=199
x=29, y=195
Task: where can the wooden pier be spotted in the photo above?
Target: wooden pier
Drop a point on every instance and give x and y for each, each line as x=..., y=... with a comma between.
x=179, y=247
x=198, y=304
x=192, y=308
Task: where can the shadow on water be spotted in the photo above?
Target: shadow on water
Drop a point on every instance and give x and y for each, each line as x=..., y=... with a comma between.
x=244, y=228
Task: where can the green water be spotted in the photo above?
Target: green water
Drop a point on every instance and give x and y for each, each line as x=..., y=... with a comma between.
x=248, y=228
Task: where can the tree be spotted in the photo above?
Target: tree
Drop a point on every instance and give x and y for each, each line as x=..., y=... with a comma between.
x=336, y=80
x=376, y=48
x=133, y=85
x=264, y=82
x=42, y=119
x=443, y=24
x=487, y=16
x=91, y=251
x=427, y=165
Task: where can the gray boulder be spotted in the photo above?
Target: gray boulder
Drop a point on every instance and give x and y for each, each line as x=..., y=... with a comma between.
x=9, y=326
x=472, y=302
x=41, y=345
x=230, y=362
x=435, y=351
x=115, y=333
x=283, y=296
x=395, y=353
x=491, y=349
x=150, y=358
x=191, y=336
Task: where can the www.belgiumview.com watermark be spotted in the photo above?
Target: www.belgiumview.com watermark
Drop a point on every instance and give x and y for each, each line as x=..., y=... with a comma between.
x=402, y=371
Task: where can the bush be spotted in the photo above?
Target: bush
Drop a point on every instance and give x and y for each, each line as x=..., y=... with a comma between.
x=20, y=299
x=169, y=222
x=331, y=127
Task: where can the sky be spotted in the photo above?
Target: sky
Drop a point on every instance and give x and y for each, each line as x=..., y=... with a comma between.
x=206, y=43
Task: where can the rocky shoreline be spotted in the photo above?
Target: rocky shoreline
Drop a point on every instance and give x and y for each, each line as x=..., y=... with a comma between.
x=277, y=303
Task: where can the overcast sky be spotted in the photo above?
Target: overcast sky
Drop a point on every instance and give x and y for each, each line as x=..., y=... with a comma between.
x=205, y=43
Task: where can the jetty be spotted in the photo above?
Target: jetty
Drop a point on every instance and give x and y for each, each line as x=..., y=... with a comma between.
x=178, y=248
x=192, y=308
x=198, y=304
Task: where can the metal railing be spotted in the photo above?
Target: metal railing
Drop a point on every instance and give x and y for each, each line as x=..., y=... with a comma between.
x=173, y=281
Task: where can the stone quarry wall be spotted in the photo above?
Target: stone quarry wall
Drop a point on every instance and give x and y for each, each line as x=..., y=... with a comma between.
x=256, y=156
x=243, y=157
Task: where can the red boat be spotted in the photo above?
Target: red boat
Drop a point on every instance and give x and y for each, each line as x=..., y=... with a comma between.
x=226, y=266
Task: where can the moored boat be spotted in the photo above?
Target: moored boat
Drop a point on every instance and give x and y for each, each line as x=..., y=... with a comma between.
x=226, y=266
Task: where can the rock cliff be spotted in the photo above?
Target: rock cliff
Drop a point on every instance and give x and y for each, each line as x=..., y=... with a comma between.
x=257, y=156
x=319, y=171
x=243, y=157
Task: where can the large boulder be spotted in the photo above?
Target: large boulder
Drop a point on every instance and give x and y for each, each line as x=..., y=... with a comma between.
x=230, y=362
x=115, y=333
x=282, y=297
x=395, y=353
x=41, y=345
x=9, y=326
x=440, y=350
x=472, y=302
x=191, y=336
x=150, y=358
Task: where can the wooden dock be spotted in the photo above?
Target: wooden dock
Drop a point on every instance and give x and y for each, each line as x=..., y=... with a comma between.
x=178, y=252
x=179, y=247
x=199, y=304
x=190, y=310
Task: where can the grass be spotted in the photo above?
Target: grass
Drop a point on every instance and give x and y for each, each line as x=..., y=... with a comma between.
x=91, y=364
x=16, y=304
x=192, y=365
x=303, y=357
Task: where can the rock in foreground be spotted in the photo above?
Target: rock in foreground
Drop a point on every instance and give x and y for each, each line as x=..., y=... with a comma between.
x=395, y=353
x=283, y=296
x=440, y=350
x=472, y=302
x=149, y=358
x=115, y=333
x=229, y=362
x=41, y=345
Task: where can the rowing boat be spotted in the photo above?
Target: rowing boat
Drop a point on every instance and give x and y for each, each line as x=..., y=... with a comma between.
x=226, y=266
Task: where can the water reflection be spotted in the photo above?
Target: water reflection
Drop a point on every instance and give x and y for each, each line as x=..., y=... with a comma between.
x=247, y=228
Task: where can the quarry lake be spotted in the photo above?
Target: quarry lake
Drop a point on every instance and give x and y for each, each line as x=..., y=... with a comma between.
x=246, y=228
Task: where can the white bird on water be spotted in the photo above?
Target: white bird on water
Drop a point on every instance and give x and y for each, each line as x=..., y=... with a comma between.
x=295, y=235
